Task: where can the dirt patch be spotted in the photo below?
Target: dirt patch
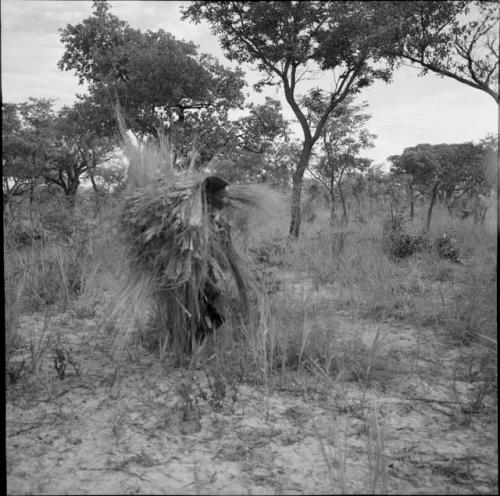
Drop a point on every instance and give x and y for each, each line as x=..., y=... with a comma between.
x=139, y=427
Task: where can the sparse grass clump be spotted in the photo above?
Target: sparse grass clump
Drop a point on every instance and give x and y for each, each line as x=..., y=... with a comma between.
x=52, y=274
x=472, y=315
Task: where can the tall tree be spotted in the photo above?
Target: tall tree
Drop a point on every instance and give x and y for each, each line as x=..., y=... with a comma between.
x=455, y=39
x=343, y=138
x=160, y=82
x=289, y=39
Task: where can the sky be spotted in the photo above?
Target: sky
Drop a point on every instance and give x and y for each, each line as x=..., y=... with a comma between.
x=410, y=110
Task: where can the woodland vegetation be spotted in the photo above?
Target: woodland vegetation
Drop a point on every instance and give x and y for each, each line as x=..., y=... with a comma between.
x=414, y=245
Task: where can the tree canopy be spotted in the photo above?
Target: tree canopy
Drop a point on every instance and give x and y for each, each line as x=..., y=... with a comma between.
x=45, y=146
x=456, y=39
x=445, y=171
x=344, y=136
x=288, y=40
x=156, y=78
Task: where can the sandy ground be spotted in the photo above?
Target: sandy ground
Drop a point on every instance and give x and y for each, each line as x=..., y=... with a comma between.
x=137, y=427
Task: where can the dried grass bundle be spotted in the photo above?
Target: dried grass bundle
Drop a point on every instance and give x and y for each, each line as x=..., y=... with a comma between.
x=176, y=238
x=180, y=257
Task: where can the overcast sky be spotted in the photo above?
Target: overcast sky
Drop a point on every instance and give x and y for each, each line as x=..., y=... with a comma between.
x=406, y=112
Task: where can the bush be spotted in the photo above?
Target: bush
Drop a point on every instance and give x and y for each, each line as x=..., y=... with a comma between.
x=446, y=247
x=23, y=233
x=270, y=252
x=401, y=244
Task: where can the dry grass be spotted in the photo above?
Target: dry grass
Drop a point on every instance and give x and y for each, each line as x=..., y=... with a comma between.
x=297, y=336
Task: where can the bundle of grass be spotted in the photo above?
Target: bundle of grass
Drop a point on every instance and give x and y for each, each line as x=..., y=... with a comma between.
x=177, y=239
x=181, y=262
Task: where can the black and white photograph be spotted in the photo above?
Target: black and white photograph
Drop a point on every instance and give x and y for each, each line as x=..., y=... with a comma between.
x=250, y=247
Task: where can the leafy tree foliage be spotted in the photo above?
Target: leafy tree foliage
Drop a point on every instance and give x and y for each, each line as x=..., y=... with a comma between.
x=287, y=40
x=456, y=39
x=42, y=146
x=251, y=144
x=237, y=141
x=15, y=150
x=161, y=83
x=81, y=142
x=343, y=138
x=445, y=171
x=264, y=123
x=27, y=134
x=273, y=166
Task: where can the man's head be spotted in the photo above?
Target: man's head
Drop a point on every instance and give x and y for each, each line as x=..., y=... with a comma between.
x=214, y=190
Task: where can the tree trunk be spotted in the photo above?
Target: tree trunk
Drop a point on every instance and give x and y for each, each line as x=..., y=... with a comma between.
x=32, y=199
x=345, y=217
x=412, y=203
x=332, y=210
x=431, y=206
x=97, y=204
x=7, y=207
x=297, y=189
x=332, y=202
x=70, y=192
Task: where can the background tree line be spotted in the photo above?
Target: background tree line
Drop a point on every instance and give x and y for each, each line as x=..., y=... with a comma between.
x=166, y=87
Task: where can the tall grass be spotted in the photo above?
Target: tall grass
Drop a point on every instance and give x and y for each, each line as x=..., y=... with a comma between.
x=339, y=268
x=347, y=268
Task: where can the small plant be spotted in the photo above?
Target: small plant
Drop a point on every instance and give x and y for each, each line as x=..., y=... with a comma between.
x=188, y=399
x=60, y=362
x=376, y=455
x=62, y=358
x=22, y=233
x=447, y=248
x=15, y=370
x=118, y=426
x=37, y=348
x=270, y=252
x=399, y=243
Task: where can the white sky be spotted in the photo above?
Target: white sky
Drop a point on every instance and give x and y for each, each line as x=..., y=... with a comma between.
x=406, y=112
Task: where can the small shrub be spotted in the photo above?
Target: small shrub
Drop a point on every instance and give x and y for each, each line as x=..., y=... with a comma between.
x=23, y=233
x=473, y=312
x=400, y=244
x=447, y=248
x=270, y=252
x=52, y=274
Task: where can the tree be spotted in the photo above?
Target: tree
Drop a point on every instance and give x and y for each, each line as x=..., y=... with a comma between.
x=58, y=148
x=406, y=171
x=28, y=144
x=15, y=155
x=162, y=84
x=263, y=124
x=343, y=138
x=455, y=39
x=216, y=137
x=251, y=142
x=289, y=39
x=446, y=170
x=81, y=141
